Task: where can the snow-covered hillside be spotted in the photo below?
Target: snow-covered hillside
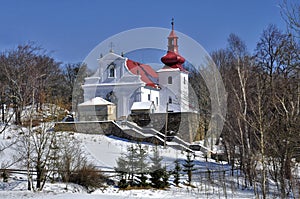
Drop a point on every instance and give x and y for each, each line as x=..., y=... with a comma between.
x=209, y=180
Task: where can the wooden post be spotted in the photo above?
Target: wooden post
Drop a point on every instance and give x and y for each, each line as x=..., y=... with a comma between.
x=166, y=126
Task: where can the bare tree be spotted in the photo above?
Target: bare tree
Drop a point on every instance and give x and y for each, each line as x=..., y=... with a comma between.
x=34, y=149
x=235, y=65
x=26, y=61
x=291, y=14
x=74, y=75
x=70, y=156
x=276, y=109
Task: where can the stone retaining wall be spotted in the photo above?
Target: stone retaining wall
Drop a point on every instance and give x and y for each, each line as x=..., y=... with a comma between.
x=185, y=125
x=102, y=127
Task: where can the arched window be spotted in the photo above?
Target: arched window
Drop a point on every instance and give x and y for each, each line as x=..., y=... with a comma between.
x=184, y=80
x=111, y=72
x=169, y=80
x=170, y=100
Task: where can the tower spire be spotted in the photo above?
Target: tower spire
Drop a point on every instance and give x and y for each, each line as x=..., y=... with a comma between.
x=172, y=39
x=173, y=58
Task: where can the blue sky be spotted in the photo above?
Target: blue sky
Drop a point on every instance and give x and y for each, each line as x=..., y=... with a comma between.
x=70, y=29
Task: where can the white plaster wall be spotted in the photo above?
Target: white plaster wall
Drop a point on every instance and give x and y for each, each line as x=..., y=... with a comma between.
x=170, y=90
x=184, y=92
x=153, y=95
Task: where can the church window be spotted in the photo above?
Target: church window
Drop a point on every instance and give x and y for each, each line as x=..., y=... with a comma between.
x=156, y=101
x=169, y=80
x=111, y=71
x=149, y=97
x=184, y=80
x=170, y=100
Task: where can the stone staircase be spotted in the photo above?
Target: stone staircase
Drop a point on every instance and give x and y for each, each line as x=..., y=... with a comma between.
x=138, y=132
x=130, y=131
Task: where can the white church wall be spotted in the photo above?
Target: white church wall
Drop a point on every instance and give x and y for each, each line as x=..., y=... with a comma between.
x=184, y=88
x=149, y=94
x=168, y=97
x=171, y=89
x=118, y=67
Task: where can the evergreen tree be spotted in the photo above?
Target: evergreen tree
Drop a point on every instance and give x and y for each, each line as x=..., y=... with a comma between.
x=156, y=170
x=141, y=165
x=165, y=177
x=126, y=164
x=134, y=164
x=189, y=167
x=156, y=178
x=156, y=160
x=122, y=167
x=131, y=161
x=176, y=172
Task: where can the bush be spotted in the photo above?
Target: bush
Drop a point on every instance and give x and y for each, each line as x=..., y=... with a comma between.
x=123, y=184
x=88, y=176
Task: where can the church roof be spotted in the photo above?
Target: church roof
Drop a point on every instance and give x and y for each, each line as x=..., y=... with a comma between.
x=96, y=101
x=142, y=105
x=147, y=73
x=173, y=60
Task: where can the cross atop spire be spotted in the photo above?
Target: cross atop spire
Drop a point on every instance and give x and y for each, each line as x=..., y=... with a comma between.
x=111, y=45
x=172, y=23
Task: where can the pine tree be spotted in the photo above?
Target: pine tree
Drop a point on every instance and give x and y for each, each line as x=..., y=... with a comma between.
x=176, y=172
x=126, y=164
x=156, y=169
x=134, y=164
x=165, y=177
x=141, y=166
x=189, y=167
x=156, y=159
x=131, y=161
x=122, y=167
x=156, y=178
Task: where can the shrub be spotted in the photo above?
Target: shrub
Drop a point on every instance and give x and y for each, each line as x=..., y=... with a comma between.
x=123, y=184
x=88, y=176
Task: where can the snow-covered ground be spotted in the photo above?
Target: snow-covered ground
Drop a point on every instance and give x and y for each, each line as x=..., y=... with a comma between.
x=103, y=151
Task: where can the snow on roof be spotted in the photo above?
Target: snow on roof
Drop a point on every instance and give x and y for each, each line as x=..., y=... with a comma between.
x=95, y=101
x=142, y=105
x=167, y=68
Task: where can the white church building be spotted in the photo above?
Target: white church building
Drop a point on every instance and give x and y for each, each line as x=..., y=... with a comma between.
x=132, y=85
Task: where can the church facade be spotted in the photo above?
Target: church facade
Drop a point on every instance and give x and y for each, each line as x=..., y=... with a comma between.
x=129, y=84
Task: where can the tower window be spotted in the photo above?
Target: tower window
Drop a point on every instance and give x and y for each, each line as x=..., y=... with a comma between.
x=169, y=80
x=156, y=101
x=184, y=80
x=149, y=97
x=111, y=71
x=170, y=100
